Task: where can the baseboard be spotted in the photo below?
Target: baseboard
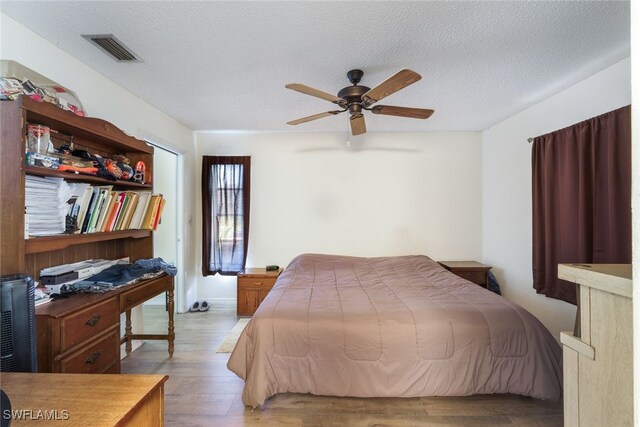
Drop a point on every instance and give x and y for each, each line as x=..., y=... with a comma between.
x=217, y=302
x=220, y=300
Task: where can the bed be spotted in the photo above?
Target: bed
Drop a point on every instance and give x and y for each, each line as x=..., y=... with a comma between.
x=391, y=327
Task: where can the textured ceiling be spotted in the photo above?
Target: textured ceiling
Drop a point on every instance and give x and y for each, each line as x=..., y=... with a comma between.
x=223, y=65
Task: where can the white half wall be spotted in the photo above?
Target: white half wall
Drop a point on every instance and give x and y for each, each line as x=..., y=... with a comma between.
x=104, y=99
x=506, y=183
x=387, y=194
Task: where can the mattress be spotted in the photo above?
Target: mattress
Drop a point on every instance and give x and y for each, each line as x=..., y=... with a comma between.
x=391, y=327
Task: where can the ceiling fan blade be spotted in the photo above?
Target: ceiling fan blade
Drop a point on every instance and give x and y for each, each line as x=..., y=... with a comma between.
x=414, y=113
x=399, y=80
x=314, y=117
x=308, y=90
x=358, y=126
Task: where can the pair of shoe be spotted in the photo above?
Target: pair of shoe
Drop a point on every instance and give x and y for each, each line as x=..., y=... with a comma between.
x=199, y=306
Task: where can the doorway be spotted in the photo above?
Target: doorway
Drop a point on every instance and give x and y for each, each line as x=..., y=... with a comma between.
x=166, y=241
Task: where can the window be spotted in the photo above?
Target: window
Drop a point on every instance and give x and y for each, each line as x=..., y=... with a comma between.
x=225, y=212
x=581, y=199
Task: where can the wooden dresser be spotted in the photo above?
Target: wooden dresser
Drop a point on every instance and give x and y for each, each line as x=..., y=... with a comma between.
x=253, y=286
x=598, y=365
x=85, y=400
x=471, y=270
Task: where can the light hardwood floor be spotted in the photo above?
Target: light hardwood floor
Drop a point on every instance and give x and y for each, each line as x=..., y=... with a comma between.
x=202, y=392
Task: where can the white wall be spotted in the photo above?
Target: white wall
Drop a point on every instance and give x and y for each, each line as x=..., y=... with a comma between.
x=506, y=182
x=104, y=99
x=389, y=194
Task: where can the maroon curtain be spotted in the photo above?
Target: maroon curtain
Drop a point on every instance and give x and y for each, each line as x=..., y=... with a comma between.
x=226, y=189
x=581, y=199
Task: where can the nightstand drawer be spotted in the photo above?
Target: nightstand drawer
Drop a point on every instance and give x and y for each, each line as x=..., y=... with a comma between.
x=477, y=277
x=257, y=283
x=89, y=322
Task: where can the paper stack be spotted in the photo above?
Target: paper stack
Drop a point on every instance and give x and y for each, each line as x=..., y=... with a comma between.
x=45, y=205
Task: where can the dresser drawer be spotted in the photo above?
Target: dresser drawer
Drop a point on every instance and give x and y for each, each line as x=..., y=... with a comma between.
x=256, y=283
x=477, y=277
x=95, y=357
x=141, y=293
x=89, y=322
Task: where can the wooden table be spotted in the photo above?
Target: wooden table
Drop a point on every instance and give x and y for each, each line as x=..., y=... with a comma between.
x=85, y=399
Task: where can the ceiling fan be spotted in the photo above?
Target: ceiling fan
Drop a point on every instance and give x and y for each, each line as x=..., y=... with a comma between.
x=357, y=99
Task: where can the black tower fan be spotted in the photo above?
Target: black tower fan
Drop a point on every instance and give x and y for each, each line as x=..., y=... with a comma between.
x=18, y=324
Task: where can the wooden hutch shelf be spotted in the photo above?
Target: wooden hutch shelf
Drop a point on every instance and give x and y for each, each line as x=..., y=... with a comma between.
x=36, y=245
x=39, y=171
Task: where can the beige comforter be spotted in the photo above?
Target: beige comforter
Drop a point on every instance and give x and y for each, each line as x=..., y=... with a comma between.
x=391, y=326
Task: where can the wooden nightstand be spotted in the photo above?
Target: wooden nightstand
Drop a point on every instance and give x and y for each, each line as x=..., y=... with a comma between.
x=253, y=286
x=470, y=270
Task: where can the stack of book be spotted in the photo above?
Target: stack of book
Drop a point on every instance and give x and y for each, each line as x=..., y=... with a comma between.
x=51, y=202
x=103, y=209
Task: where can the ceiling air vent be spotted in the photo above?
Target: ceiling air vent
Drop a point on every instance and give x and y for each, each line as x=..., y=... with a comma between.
x=113, y=47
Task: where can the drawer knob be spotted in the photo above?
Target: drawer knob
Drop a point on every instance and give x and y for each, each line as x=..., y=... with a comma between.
x=93, y=358
x=129, y=299
x=257, y=283
x=93, y=320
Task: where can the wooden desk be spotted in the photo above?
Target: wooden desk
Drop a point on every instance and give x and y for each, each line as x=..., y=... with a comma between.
x=85, y=400
x=81, y=334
